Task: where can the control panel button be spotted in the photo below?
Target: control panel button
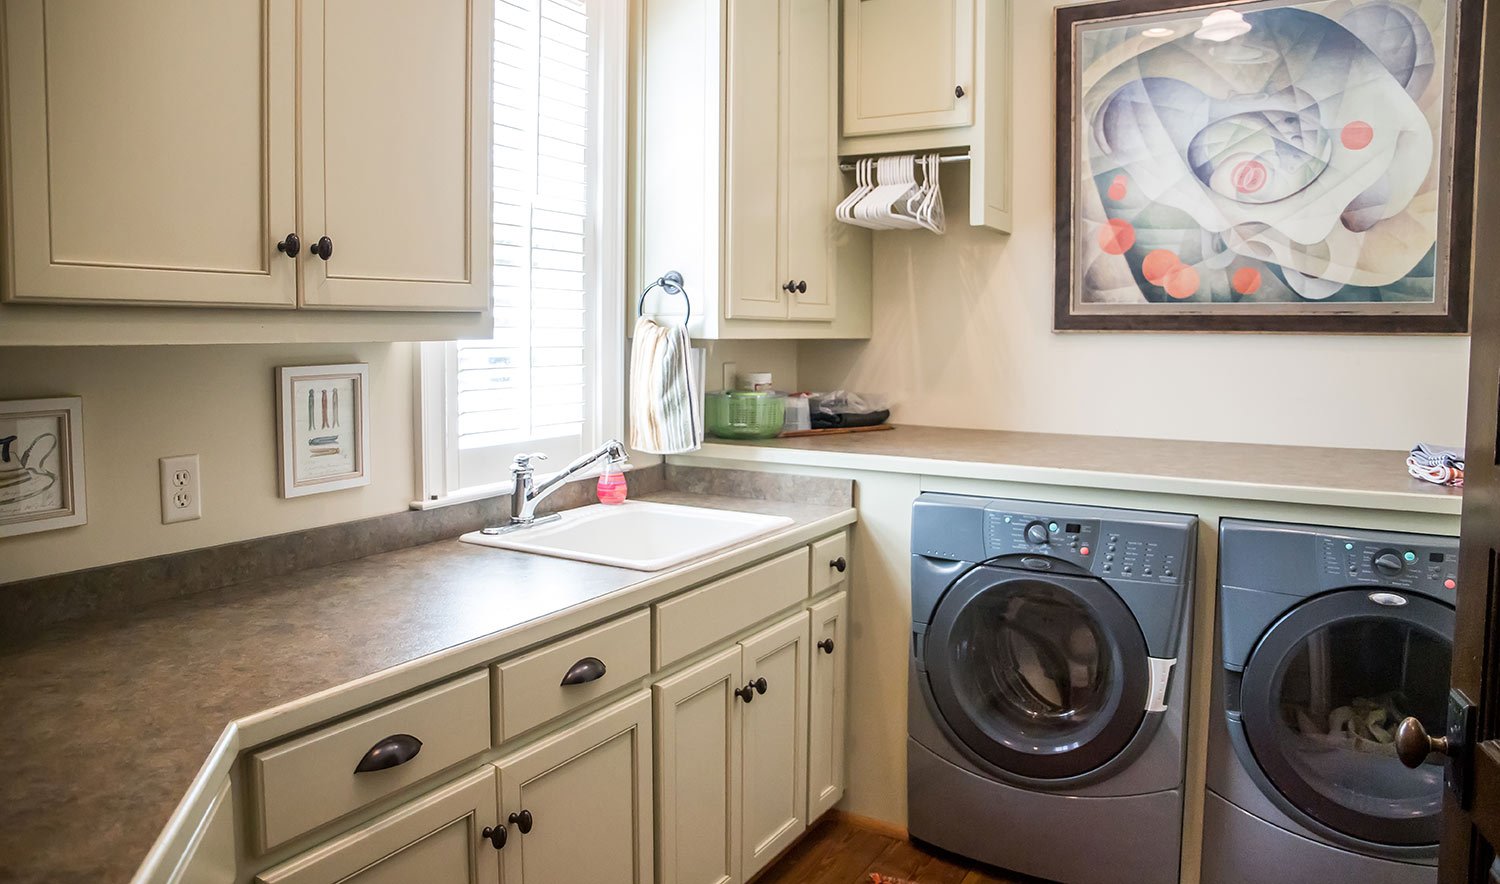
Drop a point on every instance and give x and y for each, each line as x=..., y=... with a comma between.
x=1083, y=551
x=1450, y=583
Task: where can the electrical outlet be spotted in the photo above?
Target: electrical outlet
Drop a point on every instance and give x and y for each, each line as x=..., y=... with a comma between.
x=181, y=492
x=731, y=372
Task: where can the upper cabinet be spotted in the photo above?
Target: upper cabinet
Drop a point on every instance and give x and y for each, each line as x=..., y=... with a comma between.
x=151, y=152
x=735, y=169
x=395, y=179
x=158, y=157
x=933, y=85
x=933, y=75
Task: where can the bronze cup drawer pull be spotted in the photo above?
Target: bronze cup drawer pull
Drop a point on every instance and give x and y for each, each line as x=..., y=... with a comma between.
x=584, y=671
x=393, y=751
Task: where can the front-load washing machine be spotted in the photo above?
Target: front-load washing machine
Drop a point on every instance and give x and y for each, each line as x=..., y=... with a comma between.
x=1048, y=686
x=1327, y=638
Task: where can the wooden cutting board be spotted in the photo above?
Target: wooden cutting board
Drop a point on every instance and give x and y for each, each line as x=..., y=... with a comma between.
x=836, y=431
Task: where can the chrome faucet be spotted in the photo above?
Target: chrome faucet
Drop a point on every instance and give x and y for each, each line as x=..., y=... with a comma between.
x=526, y=493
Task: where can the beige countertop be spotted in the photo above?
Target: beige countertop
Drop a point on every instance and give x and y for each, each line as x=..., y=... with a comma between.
x=1282, y=473
x=111, y=724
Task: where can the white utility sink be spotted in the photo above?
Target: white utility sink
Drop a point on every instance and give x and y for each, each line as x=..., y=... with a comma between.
x=639, y=535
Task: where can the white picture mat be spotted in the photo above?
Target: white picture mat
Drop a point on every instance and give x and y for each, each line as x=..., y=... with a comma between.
x=323, y=419
x=41, y=465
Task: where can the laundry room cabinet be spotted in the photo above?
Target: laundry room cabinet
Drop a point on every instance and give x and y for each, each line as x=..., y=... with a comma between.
x=270, y=155
x=736, y=169
x=732, y=750
x=827, y=689
x=908, y=65
x=920, y=76
x=579, y=803
x=437, y=839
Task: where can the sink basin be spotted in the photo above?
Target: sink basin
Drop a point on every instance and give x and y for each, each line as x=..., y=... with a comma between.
x=639, y=535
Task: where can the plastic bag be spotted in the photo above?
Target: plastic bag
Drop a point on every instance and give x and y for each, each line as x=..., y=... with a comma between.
x=842, y=408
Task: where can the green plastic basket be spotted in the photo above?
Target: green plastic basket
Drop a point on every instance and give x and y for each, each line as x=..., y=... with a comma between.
x=743, y=415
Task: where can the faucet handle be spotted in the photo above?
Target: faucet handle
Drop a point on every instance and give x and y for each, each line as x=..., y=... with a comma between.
x=522, y=463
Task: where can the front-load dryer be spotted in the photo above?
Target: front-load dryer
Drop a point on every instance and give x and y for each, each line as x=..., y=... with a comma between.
x=1048, y=686
x=1327, y=638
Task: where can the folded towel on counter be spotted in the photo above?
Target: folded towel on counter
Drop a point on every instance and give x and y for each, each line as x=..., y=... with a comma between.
x=1436, y=464
x=665, y=413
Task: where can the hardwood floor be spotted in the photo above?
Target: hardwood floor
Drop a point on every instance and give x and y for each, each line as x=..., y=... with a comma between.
x=836, y=851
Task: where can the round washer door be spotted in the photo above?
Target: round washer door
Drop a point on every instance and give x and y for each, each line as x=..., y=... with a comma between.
x=1043, y=676
x=1321, y=697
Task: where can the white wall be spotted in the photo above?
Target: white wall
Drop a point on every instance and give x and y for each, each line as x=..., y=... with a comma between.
x=963, y=336
x=143, y=403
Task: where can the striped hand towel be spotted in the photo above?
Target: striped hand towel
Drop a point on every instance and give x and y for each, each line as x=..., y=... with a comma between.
x=1436, y=464
x=665, y=415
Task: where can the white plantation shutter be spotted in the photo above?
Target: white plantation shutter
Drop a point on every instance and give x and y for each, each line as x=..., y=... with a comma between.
x=529, y=389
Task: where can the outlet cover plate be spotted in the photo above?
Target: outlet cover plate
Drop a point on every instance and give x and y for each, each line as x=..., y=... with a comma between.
x=181, y=490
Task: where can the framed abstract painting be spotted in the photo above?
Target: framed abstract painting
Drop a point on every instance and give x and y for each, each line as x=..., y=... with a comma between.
x=1278, y=165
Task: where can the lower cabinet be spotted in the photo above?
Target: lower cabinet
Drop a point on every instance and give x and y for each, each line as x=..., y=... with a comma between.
x=774, y=729
x=732, y=757
x=436, y=839
x=578, y=804
x=828, y=702
x=698, y=776
x=703, y=779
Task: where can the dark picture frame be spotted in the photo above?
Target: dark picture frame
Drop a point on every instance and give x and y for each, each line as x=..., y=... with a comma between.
x=1454, y=244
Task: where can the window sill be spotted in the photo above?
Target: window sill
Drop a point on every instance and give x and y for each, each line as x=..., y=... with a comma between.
x=500, y=489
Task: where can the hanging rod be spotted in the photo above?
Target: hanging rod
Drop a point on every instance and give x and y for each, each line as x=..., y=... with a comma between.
x=944, y=159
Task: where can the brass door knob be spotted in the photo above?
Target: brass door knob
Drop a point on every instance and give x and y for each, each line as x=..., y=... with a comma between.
x=1413, y=744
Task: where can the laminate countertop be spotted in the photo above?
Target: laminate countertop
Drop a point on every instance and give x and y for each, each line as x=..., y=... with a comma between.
x=109, y=724
x=1281, y=473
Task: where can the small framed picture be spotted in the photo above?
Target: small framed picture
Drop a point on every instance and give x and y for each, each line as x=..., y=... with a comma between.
x=41, y=465
x=325, y=426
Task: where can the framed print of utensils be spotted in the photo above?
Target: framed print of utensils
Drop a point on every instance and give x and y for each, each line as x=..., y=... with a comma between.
x=324, y=424
x=41, y=465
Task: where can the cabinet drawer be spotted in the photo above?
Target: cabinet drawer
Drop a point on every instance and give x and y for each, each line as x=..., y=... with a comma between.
x=530, y=690
x=706, y=615
x=311, y=780
x=830, y=562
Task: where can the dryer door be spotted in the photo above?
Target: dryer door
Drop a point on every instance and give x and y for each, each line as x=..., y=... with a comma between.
x=1320, y=699
x=1043, y=676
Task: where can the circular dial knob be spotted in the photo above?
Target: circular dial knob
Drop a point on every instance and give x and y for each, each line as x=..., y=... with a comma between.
x=1388, y=562
x=1036, y=533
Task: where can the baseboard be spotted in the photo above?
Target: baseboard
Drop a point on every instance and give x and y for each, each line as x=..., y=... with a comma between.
x=890, y=830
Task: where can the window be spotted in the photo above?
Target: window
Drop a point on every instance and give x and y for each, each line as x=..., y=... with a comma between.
x=549, y=380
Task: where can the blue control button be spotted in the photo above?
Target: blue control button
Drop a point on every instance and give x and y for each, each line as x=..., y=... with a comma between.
x=1052, y=526
x=1410, y=556
x=1346, y=546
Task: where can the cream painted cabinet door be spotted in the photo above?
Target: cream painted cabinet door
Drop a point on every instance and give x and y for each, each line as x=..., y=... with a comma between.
x=395, y=153
x=579, y=803
x=753, y=287
x=908, y=65
x=774, y=728
x=698, y=773
x=810, y=147
x=436, y=839
x=829, y=689
x=149, y=151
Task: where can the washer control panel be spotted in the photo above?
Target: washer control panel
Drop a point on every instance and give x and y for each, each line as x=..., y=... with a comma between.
x=1389, y=562
x=1112, y=550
